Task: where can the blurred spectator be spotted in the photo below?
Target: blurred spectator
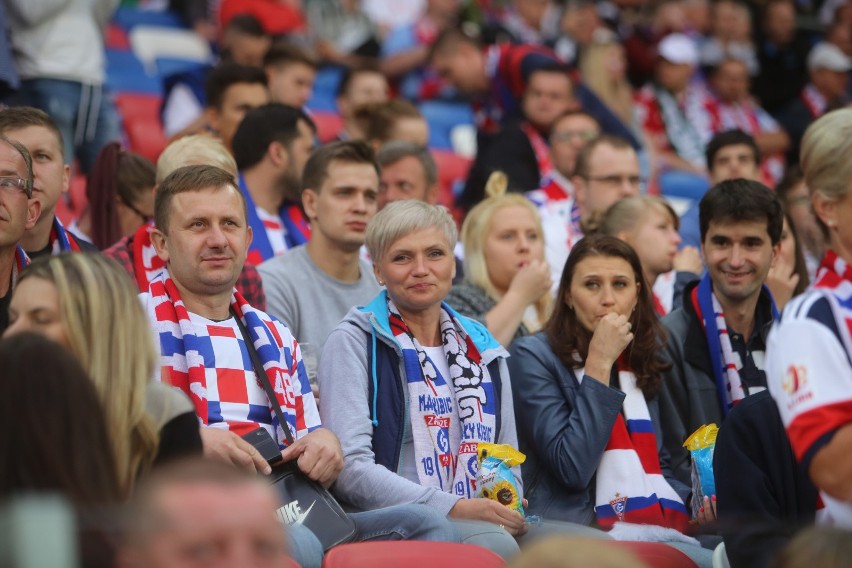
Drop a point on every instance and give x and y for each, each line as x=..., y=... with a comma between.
x=578, y=25
x=794, y=196
x=391, y=13
x=781, y=53
x=603, y=65
x=136, y=253
x=359, y=86
x=9, y=80
x=507, y=278
x=200, y=513
x=244, y=42
x=290, y=71
x=828, y=71
x=59, y=52
x=392, y=120
x=734, y=108
x=825, y=547
x=341, y=32
x=731, y=37
x=41, y=135
x=87, y=304
x=278, y=17
x=120, y=193
x=405, y=51
x=672, y=110
x=520, y=150
x=408, y=171
x=496, y=77
x=532, y=22
x=271, y=146
x=232, y=90
x=63, y=444
x=197, y=14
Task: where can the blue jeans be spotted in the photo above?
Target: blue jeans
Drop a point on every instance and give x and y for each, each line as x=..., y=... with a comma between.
x=85, y=115
x=401, y=522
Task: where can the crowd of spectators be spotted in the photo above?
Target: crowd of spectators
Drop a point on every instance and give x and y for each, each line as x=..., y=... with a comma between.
x=647, y=234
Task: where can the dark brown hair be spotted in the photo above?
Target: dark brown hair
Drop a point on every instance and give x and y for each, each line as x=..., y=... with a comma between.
x=116, y=173
x=378, y=120
x=190, y=178
x=581, y=168
x=569, y=339
x=15, y=118
x=349, y=151
x=800, y=267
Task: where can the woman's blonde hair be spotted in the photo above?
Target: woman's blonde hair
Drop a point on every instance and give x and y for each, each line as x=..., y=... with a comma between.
x=110, y=336
x=825, y=156
x=626, y=215
x=475, y=230
x=618, y=95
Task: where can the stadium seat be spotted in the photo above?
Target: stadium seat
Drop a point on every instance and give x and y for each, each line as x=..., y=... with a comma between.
x=146, y=138
x=128, y=18
x=324, y=97
x=328, y=125
x=656, y=554
x=116, y=38
x=411, y=554
x=452, y=173
x=125, y=73
x=443, y=117
x=138, y=106
x=150, y=43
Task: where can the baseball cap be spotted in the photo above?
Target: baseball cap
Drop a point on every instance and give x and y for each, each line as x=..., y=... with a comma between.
x=828, y=56
x=678, y=48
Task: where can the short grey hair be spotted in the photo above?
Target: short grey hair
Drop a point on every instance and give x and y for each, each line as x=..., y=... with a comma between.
x=395, y=150
x=401, y=218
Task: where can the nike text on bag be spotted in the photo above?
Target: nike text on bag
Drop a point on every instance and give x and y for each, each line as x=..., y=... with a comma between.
x=305, y=502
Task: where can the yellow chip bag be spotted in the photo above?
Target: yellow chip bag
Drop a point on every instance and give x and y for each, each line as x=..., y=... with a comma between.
x=494, y=479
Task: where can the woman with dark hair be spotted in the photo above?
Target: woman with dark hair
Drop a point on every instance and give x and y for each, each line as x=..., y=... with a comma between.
x=120, y=191
x=56, y=437
x=585, y=391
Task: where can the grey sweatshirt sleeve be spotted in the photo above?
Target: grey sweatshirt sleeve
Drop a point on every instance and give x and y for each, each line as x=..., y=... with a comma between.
x=279, y=297
x=345, y=410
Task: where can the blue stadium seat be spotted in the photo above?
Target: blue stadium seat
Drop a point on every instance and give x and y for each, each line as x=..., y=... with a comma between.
x=128, y=18
x=442, y=118
x=125, y=73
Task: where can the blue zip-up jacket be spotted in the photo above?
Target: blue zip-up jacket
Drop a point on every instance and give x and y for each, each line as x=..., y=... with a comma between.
x=365, y=401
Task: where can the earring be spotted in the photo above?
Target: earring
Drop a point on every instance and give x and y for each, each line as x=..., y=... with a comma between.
x=381, y=283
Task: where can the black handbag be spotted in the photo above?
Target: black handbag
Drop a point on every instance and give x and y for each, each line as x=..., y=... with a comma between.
x=305, y=502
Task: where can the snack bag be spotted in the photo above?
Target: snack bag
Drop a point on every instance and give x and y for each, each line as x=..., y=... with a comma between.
x=495, y=479
x=701, y=444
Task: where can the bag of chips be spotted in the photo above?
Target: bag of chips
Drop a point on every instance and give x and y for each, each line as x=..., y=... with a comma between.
x=701, y=444
x=495, y=479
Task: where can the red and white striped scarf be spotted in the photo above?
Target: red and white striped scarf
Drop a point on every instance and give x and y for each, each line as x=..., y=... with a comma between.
x=629, y=484
x=146, y=263
x=835, y=276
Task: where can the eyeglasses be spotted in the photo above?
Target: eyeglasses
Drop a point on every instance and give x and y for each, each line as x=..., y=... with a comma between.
x=569, y=136
x=13, y=185
x=613, y=181
x=145, y=218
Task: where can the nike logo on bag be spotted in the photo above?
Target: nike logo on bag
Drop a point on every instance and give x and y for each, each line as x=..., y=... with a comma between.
x=301, y=518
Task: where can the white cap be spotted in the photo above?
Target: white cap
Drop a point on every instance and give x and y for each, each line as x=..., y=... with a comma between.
x=678, y=48
x=828, y=56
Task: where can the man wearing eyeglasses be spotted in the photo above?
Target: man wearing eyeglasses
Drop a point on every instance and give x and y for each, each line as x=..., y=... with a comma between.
x=40, y=135
x=606, y=170
x=18, y=213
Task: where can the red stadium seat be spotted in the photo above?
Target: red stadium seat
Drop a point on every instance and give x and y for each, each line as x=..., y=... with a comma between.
x=452, y=173
x=656, y=554
x=329, y=125
x=411, y=554
x=116, y=37
x=134, y=106
x=146, y=138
